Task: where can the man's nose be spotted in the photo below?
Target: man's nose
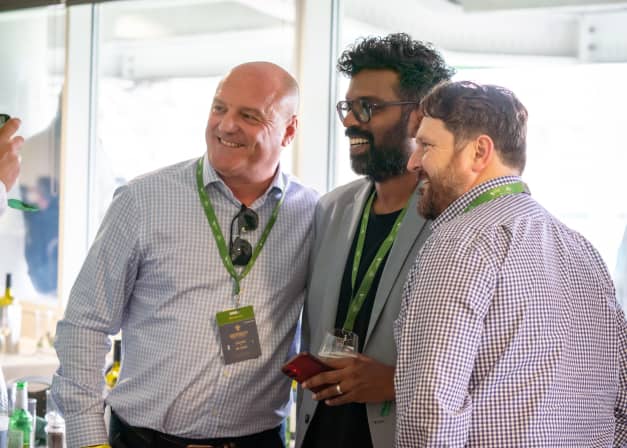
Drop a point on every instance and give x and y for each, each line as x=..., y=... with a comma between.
x=228, y=122
x=415, y=160
x=350, y=120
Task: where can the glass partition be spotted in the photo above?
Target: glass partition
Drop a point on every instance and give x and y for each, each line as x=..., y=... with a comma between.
x=32, y=54
x=576, y=157
x=159, y=65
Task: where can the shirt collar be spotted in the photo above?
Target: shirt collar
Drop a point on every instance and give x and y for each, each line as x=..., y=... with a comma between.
x=276, y=189
x=458, y=206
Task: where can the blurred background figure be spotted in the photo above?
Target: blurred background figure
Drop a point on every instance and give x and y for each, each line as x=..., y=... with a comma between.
x=39, y=186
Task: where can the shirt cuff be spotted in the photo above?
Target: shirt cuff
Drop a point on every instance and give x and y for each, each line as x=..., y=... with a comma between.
x=86, y=430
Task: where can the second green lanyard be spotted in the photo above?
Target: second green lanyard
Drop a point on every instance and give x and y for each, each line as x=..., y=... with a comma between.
x=217, y=232
x=360, y=296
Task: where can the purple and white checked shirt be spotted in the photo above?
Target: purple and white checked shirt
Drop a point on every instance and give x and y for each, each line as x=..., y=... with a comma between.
x=509, y=334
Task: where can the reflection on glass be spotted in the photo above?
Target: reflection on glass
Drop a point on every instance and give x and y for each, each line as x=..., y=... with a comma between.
x=32, y=49
x=339, y=343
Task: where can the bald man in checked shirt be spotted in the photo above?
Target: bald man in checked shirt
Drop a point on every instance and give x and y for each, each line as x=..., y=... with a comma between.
x=205, y=327
x=509, y=333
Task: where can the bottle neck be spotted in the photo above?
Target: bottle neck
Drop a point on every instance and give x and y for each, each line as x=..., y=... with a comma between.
x=7, y=299
x=117, y=352
x=21, y=398
x=7, y=285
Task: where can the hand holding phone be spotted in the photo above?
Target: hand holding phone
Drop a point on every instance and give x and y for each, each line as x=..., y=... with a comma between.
x=303, y=366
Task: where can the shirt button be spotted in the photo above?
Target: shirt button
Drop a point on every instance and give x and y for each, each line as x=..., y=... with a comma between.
x=306, y=418
x=226, y=373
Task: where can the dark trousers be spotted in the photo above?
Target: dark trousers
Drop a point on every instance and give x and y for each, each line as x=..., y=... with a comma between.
x=122, y=435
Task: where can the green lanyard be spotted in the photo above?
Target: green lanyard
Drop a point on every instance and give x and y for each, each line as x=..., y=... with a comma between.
x=497, y=192
x=217, y=232
x=358, y=299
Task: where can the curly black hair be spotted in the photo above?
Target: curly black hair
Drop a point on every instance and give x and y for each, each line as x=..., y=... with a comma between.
x=419, y=66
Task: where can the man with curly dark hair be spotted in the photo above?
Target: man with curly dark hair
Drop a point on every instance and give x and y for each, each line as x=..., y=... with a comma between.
x=367, y=235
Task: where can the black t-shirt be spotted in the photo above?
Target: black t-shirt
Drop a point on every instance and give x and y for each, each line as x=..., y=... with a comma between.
x=347, y=425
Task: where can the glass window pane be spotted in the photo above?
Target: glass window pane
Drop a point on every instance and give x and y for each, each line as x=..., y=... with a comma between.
x=32, y=55
x=574, y=163
x=575, y=157
x=160, y=62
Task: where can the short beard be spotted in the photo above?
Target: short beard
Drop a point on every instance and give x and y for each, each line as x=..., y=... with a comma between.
x=448, y=188
x=386, y=160
x=426, y=204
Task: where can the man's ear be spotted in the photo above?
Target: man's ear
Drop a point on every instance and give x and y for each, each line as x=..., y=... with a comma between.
x=290, y=130
x=483, y=153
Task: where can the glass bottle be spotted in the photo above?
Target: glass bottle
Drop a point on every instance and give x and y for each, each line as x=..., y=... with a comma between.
x=32, y=410
x=4, y=413
x=55, y=424
x=21, y=420
x=7, y=299
x=111, y=377
x=10, y=319
x=5, y=329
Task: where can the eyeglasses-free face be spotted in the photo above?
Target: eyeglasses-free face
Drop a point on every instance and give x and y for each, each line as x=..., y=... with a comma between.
x=362, y=108
x=240, y=250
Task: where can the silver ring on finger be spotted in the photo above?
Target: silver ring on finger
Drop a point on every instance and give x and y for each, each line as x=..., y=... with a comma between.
x=338, y=389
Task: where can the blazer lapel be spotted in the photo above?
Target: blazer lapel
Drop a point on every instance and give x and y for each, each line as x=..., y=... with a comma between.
x=342, y=239
x=403, y=244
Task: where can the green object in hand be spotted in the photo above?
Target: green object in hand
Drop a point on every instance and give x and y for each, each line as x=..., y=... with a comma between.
x=19, y=205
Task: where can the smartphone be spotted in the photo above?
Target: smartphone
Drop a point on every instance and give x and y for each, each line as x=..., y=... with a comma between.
x=303, y=366
x=4, y=118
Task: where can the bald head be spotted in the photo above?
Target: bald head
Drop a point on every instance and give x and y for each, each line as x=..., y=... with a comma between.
x=253, y=117
x=279, y=85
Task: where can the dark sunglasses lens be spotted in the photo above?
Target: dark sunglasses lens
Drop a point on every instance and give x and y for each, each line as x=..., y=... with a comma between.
x=240, y=252
x=248, y=219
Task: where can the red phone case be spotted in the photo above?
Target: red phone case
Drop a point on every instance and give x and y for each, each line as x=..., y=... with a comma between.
x=303, y=366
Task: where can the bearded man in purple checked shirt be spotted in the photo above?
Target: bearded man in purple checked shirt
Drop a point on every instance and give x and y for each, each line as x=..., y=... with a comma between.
x=509, y=333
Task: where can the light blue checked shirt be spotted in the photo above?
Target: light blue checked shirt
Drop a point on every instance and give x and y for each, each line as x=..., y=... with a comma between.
x=509, y=334
x=154, y=271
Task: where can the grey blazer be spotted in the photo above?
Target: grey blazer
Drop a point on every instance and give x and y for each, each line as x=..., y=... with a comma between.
x=336, y=220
